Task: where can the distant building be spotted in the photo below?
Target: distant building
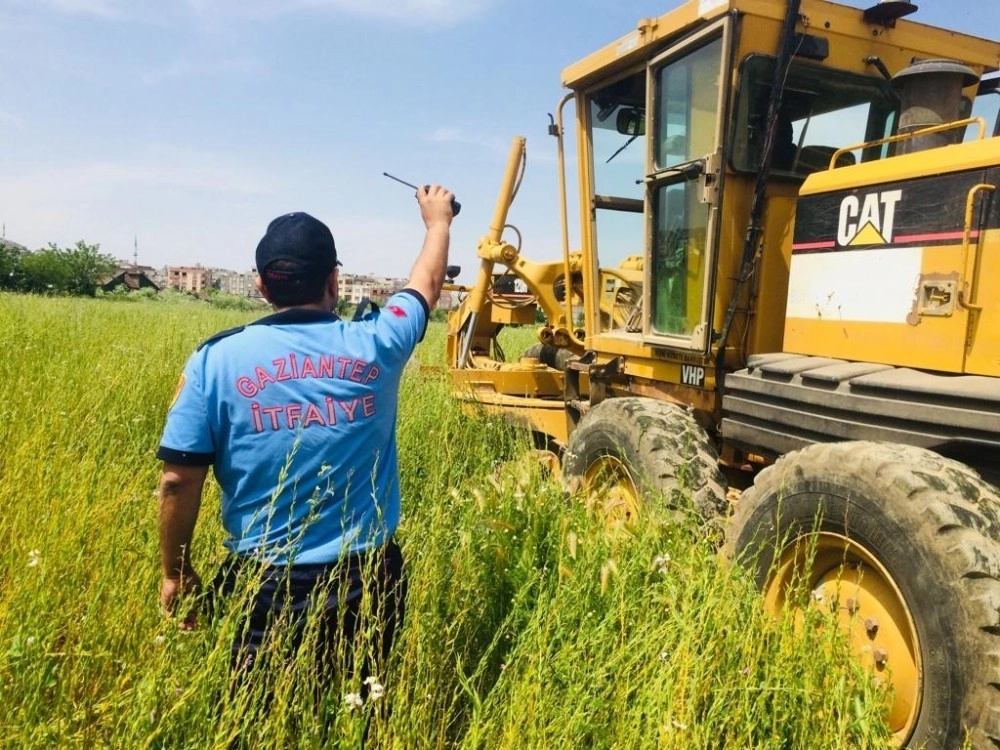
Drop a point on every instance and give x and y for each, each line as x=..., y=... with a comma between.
x=17, y=247
x=355, y=287
x=158, y=276
x=448, y=301
x=243, y=284
x=131, y=278
x=351, y=287
x=189, y=278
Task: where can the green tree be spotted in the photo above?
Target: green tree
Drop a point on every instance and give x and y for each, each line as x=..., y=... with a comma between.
x=10, y=258
x=86, y=267
x=75, y=270
x=42, y=272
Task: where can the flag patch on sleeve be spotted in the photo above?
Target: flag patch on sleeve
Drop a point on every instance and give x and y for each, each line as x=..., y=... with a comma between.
x=399, y=312
x=177, y=393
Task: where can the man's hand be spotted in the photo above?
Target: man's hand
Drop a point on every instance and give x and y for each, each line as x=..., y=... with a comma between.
x=175, y=591
x=180, y=499
x=427, y=275
x=435, y=205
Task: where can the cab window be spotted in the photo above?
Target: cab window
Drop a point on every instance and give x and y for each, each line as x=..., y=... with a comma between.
x=822, y=111
x=686, y=101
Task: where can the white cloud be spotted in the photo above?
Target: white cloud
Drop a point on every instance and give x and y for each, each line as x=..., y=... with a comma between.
x=167, y=167
x=193, y=67
x=461, y=136
x=410, y=11
x=413, y=12
x=492, y=144
x=101, y=8
x=216, y=12
x=11, y=119
x=156, y=195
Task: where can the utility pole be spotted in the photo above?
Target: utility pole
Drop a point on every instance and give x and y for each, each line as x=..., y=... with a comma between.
x=135, y=255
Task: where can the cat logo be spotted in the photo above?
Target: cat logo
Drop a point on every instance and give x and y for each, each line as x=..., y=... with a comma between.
x=867, y=219
x=693, y=375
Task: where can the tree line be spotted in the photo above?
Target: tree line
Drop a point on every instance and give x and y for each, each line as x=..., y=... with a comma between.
x=76, y=270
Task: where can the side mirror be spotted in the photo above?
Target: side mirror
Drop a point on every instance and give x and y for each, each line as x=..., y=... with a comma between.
x=631, y=121
x=452, y=271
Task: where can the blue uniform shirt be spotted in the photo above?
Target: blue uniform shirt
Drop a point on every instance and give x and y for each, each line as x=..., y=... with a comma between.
x=297, y=414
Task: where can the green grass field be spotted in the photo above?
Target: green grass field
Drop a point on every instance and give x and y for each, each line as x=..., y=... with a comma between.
x=530, y=622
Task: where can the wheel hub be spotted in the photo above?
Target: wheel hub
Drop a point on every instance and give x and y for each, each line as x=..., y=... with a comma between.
x=614, y=489
x=848, y=580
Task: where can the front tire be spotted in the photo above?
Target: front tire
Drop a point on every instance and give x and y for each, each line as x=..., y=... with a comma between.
x=905, y=548
x=637, y=446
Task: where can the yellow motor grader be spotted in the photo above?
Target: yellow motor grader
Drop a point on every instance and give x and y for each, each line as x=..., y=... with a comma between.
x=787, y=288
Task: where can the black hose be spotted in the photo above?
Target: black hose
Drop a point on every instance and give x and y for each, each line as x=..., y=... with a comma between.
x=754, y=228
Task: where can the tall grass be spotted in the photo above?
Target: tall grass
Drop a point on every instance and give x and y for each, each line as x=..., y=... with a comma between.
x=530, y=622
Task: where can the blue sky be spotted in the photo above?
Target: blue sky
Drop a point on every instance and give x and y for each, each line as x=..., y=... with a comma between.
x=189, y=124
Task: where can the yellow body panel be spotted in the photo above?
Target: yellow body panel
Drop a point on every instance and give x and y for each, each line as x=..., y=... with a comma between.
x=653, y=363
x=927, y=342
x=538, y=415
x=909, y=39
x=936, y=264
x=959, y=157
x=511, y=380
x=758, y=325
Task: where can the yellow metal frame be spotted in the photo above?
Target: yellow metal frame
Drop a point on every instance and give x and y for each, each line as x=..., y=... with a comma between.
x=654, y=367
x=871, y=608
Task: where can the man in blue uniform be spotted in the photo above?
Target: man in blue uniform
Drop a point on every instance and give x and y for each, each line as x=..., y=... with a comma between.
x=296, y=413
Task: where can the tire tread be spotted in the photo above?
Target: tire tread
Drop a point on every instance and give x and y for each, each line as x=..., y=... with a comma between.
x=955, y=516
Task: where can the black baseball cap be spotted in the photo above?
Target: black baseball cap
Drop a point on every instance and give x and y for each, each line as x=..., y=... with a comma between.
x=303, y=241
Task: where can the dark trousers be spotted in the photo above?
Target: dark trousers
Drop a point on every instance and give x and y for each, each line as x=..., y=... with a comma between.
x=290, y=594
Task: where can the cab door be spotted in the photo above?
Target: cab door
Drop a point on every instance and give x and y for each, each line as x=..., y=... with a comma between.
x=686, y=88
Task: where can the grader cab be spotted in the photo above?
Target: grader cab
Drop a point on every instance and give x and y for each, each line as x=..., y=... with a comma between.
x=787, y=289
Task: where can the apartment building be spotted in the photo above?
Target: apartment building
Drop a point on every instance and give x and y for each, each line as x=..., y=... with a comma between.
x=189, y=278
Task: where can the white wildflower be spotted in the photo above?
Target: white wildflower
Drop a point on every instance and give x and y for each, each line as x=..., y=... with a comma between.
x=660, y=563
x=376, y=689
x=160, y=640
x=30, y=640
x=34, y=556
x=353, y=701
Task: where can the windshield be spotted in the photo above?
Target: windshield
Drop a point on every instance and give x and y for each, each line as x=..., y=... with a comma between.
x=822, y=110
x=618, y=167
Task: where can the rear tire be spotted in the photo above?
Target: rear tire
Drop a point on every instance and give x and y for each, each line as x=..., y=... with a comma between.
x=640, y=446
x=911, y=535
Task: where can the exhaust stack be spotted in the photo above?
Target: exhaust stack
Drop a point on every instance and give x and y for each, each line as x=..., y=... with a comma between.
x=931, y=94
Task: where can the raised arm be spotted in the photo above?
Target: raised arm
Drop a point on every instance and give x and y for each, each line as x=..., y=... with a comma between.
x=427, y=275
